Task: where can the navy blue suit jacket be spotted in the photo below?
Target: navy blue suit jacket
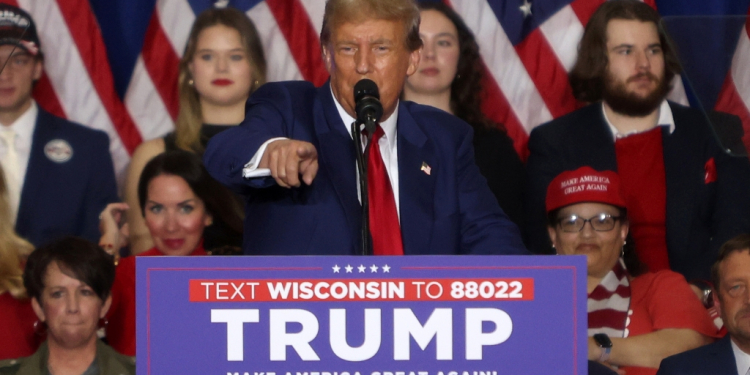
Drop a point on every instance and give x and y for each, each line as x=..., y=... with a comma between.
x=450, y=210
x=700, y=216
x=65, y=198
x=713, y=359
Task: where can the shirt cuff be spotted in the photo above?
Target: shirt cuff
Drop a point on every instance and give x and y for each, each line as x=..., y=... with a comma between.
x=251, y=169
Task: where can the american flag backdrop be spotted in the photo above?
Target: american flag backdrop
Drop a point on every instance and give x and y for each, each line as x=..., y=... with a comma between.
x=112, y=64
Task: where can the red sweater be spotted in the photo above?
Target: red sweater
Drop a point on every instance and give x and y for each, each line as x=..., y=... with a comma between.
x=640, y=164
x=17, y=337
x=121, y=316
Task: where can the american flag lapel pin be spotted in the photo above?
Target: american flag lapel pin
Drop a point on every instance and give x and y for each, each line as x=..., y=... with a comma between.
x=426, y=168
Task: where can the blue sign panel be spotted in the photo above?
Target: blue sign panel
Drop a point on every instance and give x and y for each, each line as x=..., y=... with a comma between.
x=418, y=315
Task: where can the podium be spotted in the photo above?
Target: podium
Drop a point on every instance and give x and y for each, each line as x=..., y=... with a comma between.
x=409, y=315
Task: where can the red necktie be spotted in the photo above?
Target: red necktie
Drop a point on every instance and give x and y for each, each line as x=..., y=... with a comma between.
x=384, y=224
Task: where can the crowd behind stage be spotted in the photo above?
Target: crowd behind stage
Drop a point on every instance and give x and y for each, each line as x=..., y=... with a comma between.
x=636, y=183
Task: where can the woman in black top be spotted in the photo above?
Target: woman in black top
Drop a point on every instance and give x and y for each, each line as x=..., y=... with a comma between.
x=449, y=78
x=222, y=65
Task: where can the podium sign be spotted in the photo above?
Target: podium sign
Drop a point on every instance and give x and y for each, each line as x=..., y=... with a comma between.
x=411, y=315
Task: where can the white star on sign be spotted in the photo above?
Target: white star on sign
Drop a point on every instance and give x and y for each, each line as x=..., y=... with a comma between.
x=525, y=8
x=336, y=268
x=348, y=268
x=374, y=269
x=386, y=269
x=361, y=268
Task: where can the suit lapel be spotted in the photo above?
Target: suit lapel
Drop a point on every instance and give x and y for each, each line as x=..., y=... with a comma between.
x=36, y=171
x=725, y=356
x=597, y=141
x=416, y=186
x=677, y=154
x=337, y=156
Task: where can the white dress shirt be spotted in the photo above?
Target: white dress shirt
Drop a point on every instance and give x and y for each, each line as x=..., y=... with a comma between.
x=388, y=151
x=665, y=119
x=24, y=129
x=741, y=359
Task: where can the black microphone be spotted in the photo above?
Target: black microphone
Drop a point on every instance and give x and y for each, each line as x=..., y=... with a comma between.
x=369, y=110
x=367, y=104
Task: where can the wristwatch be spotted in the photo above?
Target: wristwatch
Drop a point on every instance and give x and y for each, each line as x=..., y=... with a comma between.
x=605, y=343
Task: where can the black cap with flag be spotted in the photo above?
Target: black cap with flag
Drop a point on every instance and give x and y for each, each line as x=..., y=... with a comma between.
x=17, y=27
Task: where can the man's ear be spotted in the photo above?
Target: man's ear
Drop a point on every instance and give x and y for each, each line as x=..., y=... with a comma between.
x=717, y=301
x=414, y=58
x=38, y=69
x=327, y=59
x=37, y=309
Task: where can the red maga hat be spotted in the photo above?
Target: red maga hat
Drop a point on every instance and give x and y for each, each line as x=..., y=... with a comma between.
x=17, y=28
x=584, y=185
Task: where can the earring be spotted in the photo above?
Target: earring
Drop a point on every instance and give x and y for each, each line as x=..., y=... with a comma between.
x=191, y=82
x=40, y=328
x=458, y=76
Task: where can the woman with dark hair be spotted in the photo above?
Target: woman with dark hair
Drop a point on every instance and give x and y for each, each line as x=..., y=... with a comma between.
x=222, y=65
x=178, y=200
x=636, y=318
x=69, y=283
x=449, y=77
x=16, y=315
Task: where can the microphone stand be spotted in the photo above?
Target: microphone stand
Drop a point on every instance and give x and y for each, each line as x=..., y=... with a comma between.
x=362, y=155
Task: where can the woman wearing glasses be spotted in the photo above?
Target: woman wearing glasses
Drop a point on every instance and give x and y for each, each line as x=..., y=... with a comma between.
x=636, y=318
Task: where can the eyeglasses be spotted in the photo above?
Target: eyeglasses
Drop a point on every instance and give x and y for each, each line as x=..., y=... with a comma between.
x=575, y=223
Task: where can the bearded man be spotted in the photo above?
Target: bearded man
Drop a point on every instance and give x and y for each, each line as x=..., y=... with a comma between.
x=686, y=196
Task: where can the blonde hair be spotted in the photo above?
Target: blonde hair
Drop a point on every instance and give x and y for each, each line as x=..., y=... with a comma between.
x=190, y=117
x=13, y=249
x=338, y=12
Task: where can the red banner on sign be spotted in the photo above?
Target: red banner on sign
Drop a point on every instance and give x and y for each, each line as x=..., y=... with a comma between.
x=362, y=290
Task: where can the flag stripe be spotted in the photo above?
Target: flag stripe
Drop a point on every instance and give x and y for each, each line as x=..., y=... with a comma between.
x=146, y=105
x=563, y=31
x=157, y=54
x=302, y=39
x=731, y=102
x=503, y=63
x=585, y=8
x=740, y=73
x=497, y=108
x=176, y=18
x=735, y=93
x=44, y=94
x=88, y=40
x=315, y=12
x=70, y=75
x=279, y=60
x=548, y=74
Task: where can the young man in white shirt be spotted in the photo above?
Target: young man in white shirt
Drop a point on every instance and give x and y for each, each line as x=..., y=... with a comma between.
x=59, y=175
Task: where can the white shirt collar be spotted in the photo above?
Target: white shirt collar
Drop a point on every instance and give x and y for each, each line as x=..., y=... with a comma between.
x=389, y=125
x=24, y=125
x=665, y=119
x=741, y=359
